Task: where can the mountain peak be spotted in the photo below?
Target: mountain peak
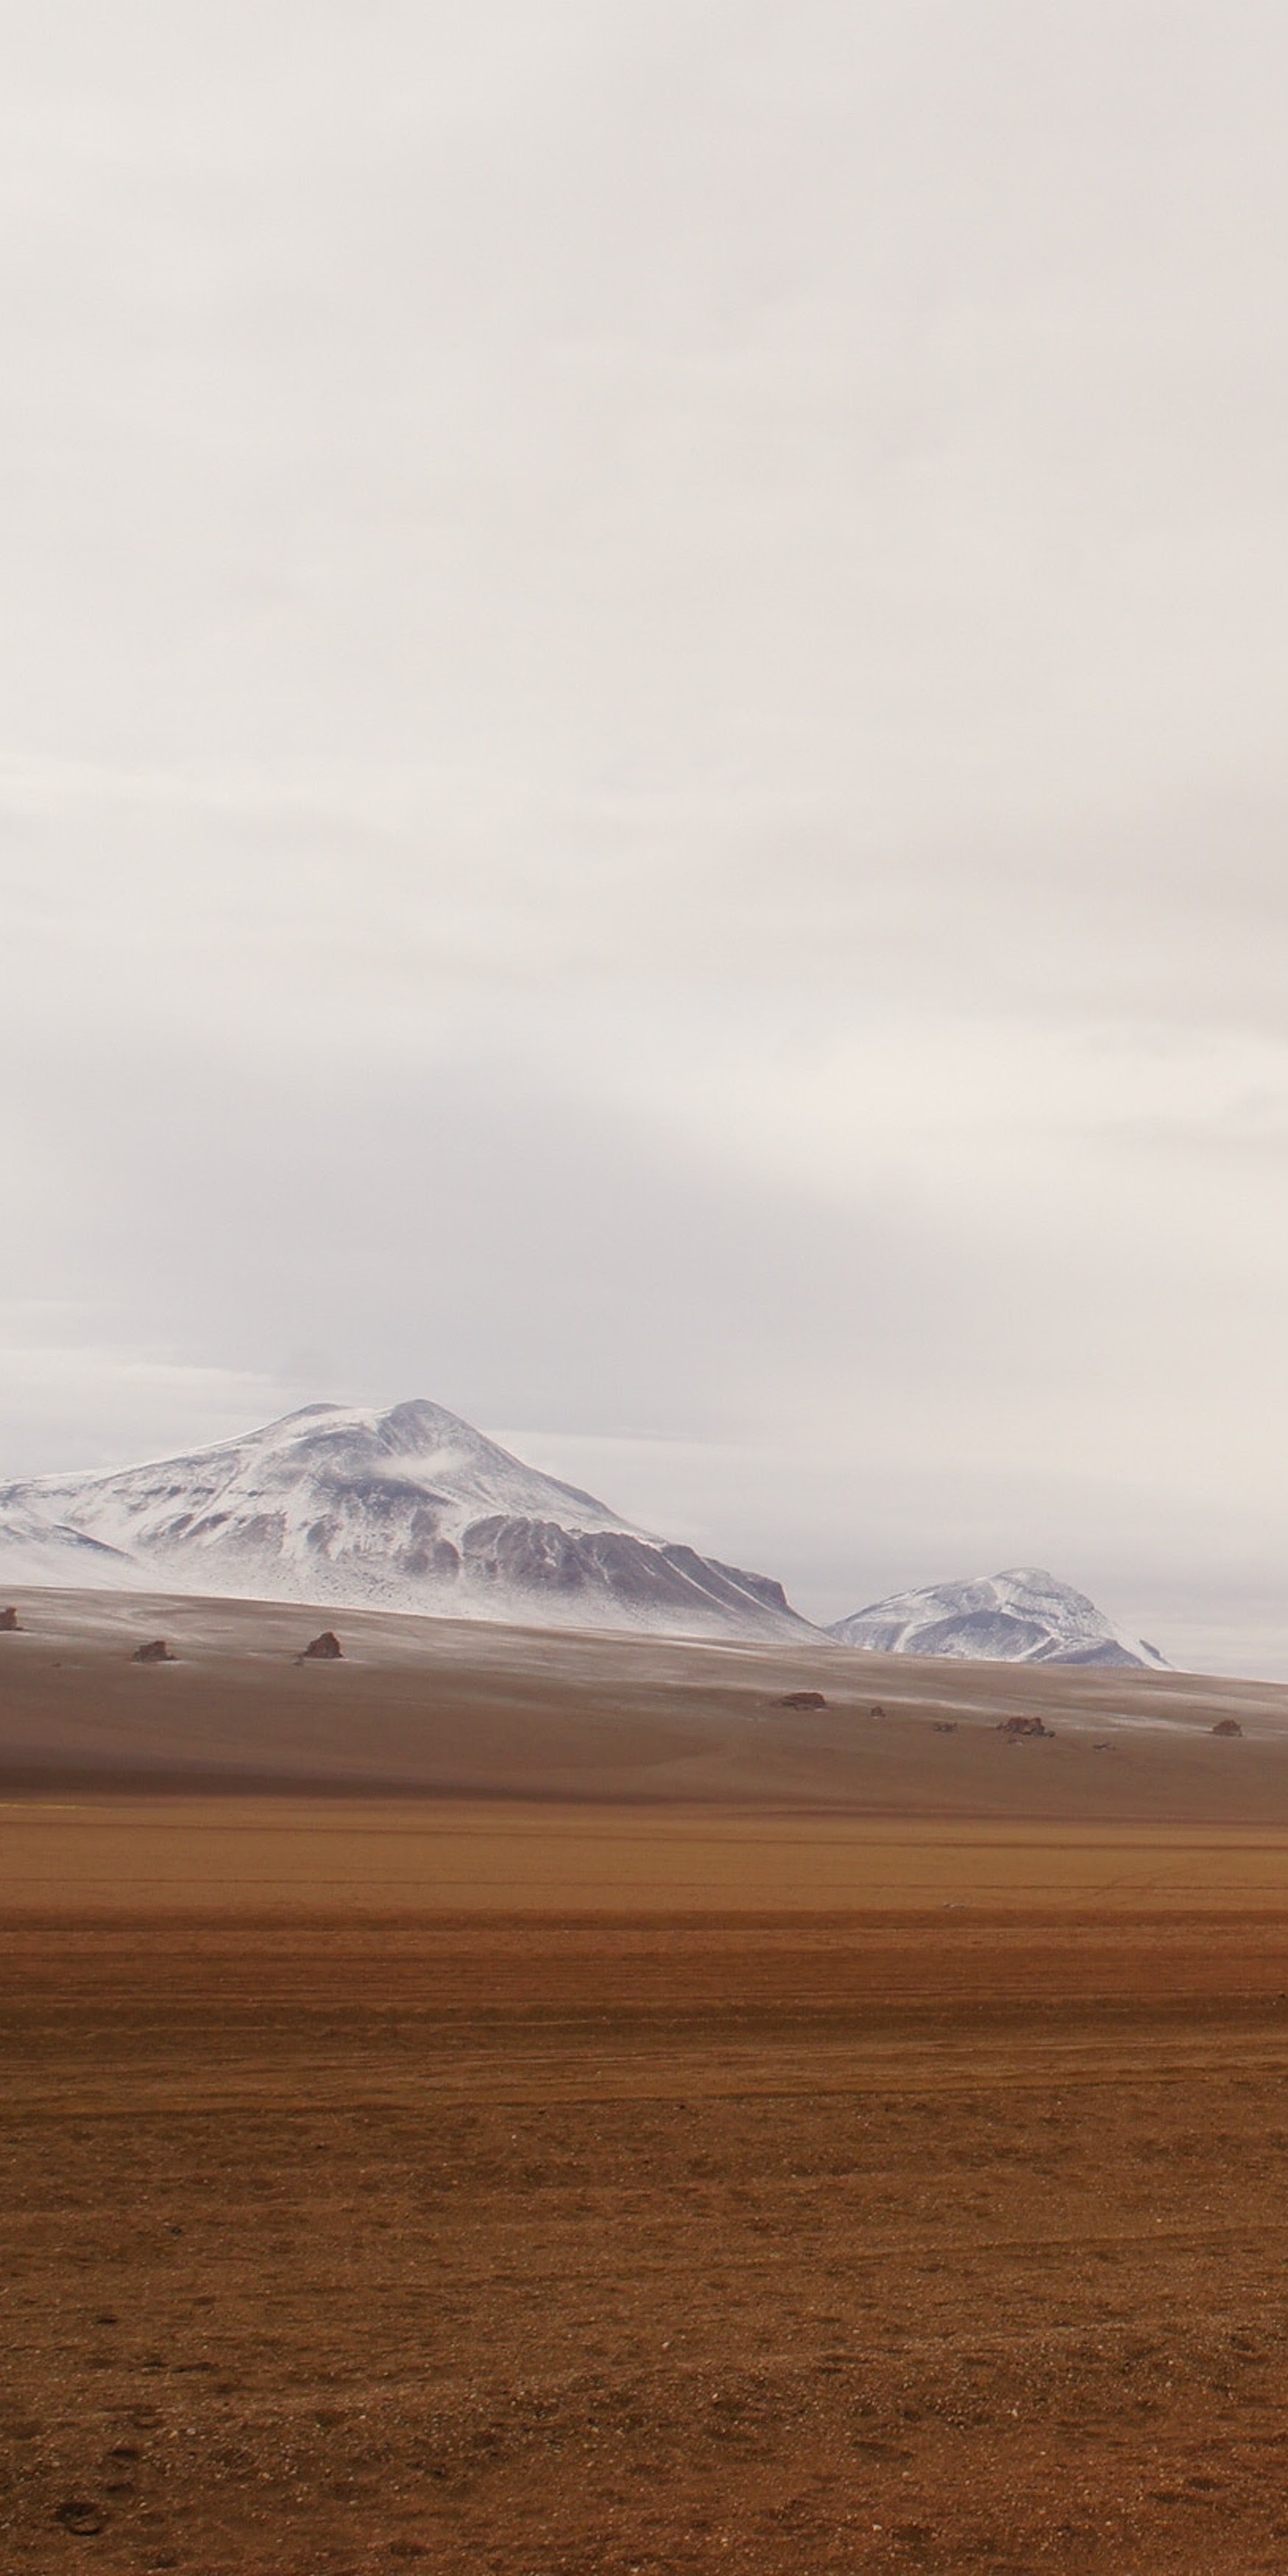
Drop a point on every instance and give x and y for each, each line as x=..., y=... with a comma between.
x=408, y=1508
x=1023, y=1615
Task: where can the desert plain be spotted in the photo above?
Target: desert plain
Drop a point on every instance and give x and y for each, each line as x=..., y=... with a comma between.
x=533, y=2103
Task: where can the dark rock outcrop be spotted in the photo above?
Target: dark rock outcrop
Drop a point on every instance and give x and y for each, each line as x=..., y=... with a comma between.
x=612, y=1569
x=325, y=1649
x=802, y=1699
x=9, y=1619
x=156, y=1652
x=1018, y=1729
x=1227, y=1726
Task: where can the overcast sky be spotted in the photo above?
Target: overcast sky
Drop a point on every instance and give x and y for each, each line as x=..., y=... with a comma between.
x=643, y=763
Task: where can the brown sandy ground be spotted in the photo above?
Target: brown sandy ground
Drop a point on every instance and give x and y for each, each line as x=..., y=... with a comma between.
x=693, y=2136
x=576, y=2245
x=378, y=1857
x=464, y=1709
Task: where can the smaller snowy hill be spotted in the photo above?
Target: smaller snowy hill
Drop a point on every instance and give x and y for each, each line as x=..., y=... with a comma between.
x=411, y=1509
x=1024, y=1616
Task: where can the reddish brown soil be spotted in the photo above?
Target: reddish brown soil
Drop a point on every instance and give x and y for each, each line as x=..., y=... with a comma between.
x=646, y=2130
x=575, y=2246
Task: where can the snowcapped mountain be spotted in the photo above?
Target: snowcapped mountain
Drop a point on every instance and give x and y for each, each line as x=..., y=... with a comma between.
x=409, y=1510
x=1024, y=1616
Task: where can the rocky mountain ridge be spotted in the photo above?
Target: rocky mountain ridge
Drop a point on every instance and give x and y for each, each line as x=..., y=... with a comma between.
x=412, y=1509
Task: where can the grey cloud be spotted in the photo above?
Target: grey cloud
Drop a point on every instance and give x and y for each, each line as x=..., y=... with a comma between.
x=643, y=784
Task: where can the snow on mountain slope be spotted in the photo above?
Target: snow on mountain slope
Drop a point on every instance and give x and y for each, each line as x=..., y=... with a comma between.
x=1022, y=1616
x=36, y=1550
x=410, y=1509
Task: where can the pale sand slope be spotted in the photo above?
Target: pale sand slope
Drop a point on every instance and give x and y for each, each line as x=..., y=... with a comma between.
x=461, y=1709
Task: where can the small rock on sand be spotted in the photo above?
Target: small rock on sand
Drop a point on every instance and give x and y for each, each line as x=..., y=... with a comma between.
x=1018, y=1728
x=802, y=1699
x=9, y=1619
x=156, y=1652
x=1227, y=1726
x=325, y=1649
x=80, y=2517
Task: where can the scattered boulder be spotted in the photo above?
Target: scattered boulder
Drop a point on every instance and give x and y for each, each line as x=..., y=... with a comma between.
x=325, y=1649
x=1227, y=1726
x=944, y=1725
x=9, y=1619
x=1018, y=1729
x=157, y=1652
x=876, y=1712
x=802, y=1699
